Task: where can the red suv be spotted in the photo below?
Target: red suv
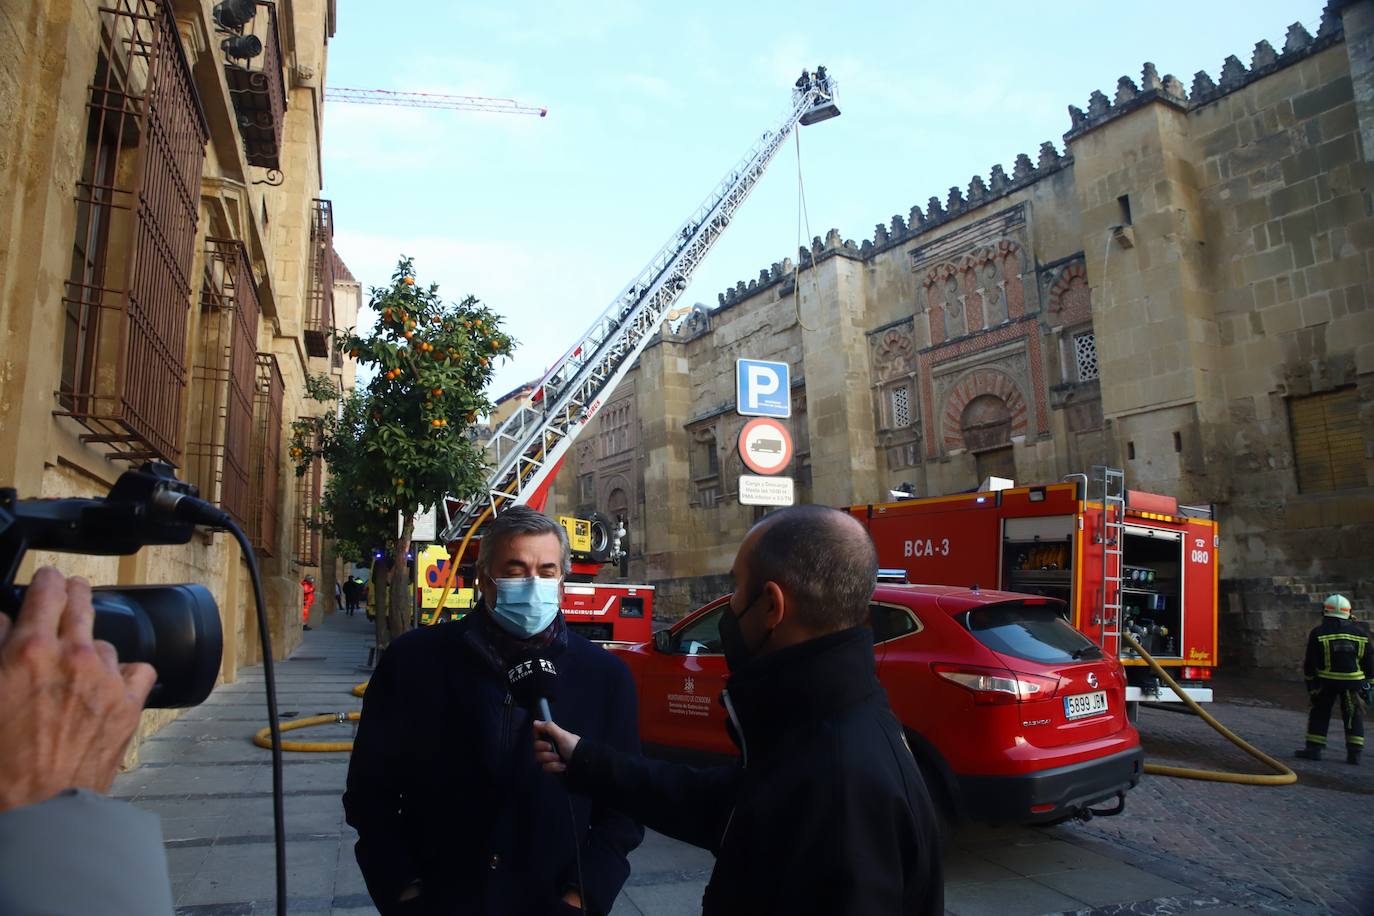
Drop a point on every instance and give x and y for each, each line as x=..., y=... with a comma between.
x=1013, y=715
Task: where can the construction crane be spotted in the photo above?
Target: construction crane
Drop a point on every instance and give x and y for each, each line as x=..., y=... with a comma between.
x=526, y=449
x=430, y=100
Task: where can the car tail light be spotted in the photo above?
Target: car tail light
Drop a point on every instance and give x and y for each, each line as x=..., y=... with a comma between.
x=1191, y=673
x=994, y=686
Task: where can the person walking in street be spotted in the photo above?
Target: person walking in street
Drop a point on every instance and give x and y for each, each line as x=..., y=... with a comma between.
x=1338, y=666
x=338, y=596
x=825, y=811
x=453, y=814
x=350, y=591
x=308, y=598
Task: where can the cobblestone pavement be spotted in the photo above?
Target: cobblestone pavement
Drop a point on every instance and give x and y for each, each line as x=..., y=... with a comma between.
x=1304, y=848
x=1182, y=847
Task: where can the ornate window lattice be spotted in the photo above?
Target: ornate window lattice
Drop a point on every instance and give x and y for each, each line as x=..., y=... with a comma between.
x=1085, y=355
x=901, y=406
x=137, y=207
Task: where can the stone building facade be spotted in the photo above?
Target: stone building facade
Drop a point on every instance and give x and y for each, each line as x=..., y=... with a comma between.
x=1182, y=290
x=167, y=275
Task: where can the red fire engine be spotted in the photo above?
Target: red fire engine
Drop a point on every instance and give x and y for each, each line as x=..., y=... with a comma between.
x=1125, y=561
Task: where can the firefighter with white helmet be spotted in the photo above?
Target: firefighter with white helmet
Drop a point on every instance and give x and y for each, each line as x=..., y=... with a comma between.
x=1339, y=666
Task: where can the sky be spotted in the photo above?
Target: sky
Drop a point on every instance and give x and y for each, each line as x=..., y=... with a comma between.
x=650, y=104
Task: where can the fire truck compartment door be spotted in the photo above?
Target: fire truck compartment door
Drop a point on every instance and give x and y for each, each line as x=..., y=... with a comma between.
x=1046, y=528
x=1159, y=534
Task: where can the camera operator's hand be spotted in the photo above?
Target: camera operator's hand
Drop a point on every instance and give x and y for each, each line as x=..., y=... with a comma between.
x=69, y=707
x=553, y=746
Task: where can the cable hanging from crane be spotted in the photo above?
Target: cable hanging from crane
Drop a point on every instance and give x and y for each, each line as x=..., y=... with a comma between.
x=430, y=100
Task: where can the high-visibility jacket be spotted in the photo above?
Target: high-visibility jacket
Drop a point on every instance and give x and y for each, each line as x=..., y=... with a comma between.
x=1339, y=653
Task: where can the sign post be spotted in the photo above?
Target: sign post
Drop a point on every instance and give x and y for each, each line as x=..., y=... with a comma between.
x=762, y=388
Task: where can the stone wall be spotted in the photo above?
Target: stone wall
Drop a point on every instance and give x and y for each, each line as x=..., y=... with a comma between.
x=44, y=88
x=1157, y=295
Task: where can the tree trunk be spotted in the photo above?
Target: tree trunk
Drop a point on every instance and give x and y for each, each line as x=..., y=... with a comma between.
x=381, y=601
x=402, y=594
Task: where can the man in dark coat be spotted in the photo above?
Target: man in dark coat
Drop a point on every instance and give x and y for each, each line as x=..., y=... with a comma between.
x=453, y=814
x=1338, y=665
x=825, y=811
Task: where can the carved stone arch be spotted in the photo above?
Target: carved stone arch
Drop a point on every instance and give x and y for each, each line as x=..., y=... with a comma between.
x=1070, y=297
x=978, y=383
x=610, y=486
x=1013, y=261
x=894, y=353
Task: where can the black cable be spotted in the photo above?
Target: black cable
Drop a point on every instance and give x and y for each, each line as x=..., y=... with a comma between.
x=270, y=680
x=577, y=853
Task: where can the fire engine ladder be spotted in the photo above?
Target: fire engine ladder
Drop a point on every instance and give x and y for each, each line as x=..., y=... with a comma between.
x=527, y=447
x=1111, y=487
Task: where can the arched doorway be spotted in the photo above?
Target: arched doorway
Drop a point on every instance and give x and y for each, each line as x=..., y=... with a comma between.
x=986, y=427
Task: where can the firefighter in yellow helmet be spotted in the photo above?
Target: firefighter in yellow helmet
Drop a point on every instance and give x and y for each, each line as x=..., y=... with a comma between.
x=1339, y=666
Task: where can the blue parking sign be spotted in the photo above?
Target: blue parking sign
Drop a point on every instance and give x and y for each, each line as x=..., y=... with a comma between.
x=762, y=388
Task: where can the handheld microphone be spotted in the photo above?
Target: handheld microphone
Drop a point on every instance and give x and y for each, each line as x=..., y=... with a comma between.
x=533, y=683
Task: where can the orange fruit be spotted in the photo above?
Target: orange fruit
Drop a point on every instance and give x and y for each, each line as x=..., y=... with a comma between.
x=409, y=281
x=437, y=392
x=436, y=423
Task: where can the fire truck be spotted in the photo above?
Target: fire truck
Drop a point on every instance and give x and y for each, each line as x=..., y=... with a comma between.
x=525, y=451
x=1124, y=561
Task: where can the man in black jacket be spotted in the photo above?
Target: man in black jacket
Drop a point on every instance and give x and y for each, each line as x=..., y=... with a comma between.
x=1338, y=664
x=825, y=811
x=453, y=815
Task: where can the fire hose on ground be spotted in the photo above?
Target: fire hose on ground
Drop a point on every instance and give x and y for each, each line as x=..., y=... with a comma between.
x=1282, y=775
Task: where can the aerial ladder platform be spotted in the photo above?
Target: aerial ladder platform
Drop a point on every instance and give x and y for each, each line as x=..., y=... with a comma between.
x=525, y=451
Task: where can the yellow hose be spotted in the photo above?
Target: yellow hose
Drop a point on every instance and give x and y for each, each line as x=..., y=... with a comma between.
x=263, y=738
x=1283, y=775
x=360, y=689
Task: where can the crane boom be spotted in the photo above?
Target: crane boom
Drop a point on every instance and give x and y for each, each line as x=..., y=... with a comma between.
x=430, y=100
x=528, y=446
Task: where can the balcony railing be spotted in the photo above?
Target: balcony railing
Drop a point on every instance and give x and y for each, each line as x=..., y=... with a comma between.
x=319, y=303
x=257, y=88
x=137, y=205
x=223, y=377
x=266, y=478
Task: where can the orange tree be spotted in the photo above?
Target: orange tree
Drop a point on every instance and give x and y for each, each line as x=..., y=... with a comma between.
x=404, y=440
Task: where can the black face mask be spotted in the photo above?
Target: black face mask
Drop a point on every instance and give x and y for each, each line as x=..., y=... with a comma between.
x=737, y=652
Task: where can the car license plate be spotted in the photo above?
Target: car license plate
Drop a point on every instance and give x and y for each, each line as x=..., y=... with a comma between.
x=1085, y=704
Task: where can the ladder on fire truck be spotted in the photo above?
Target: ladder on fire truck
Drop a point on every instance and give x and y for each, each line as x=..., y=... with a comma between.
x=1111, y=487
x=528, y=446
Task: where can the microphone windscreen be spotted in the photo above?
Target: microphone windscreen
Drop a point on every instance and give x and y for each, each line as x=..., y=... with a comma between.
x=532, y=679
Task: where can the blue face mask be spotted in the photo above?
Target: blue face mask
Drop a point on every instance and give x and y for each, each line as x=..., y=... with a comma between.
x=525, y=607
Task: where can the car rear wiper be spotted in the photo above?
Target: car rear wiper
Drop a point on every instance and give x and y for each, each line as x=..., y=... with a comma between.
x=1079, y=653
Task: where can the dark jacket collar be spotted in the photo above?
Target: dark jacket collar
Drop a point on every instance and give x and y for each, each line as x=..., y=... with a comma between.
x=498, y=650
x=802, y=684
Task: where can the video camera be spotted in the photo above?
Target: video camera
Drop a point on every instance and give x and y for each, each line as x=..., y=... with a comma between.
x=174, y=628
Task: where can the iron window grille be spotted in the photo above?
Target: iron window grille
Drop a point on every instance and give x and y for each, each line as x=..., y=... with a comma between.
x=309, y=489
x=319, y=318
x=223, y=375
x=268, y=395
x=259, y=92
x=128, y=292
